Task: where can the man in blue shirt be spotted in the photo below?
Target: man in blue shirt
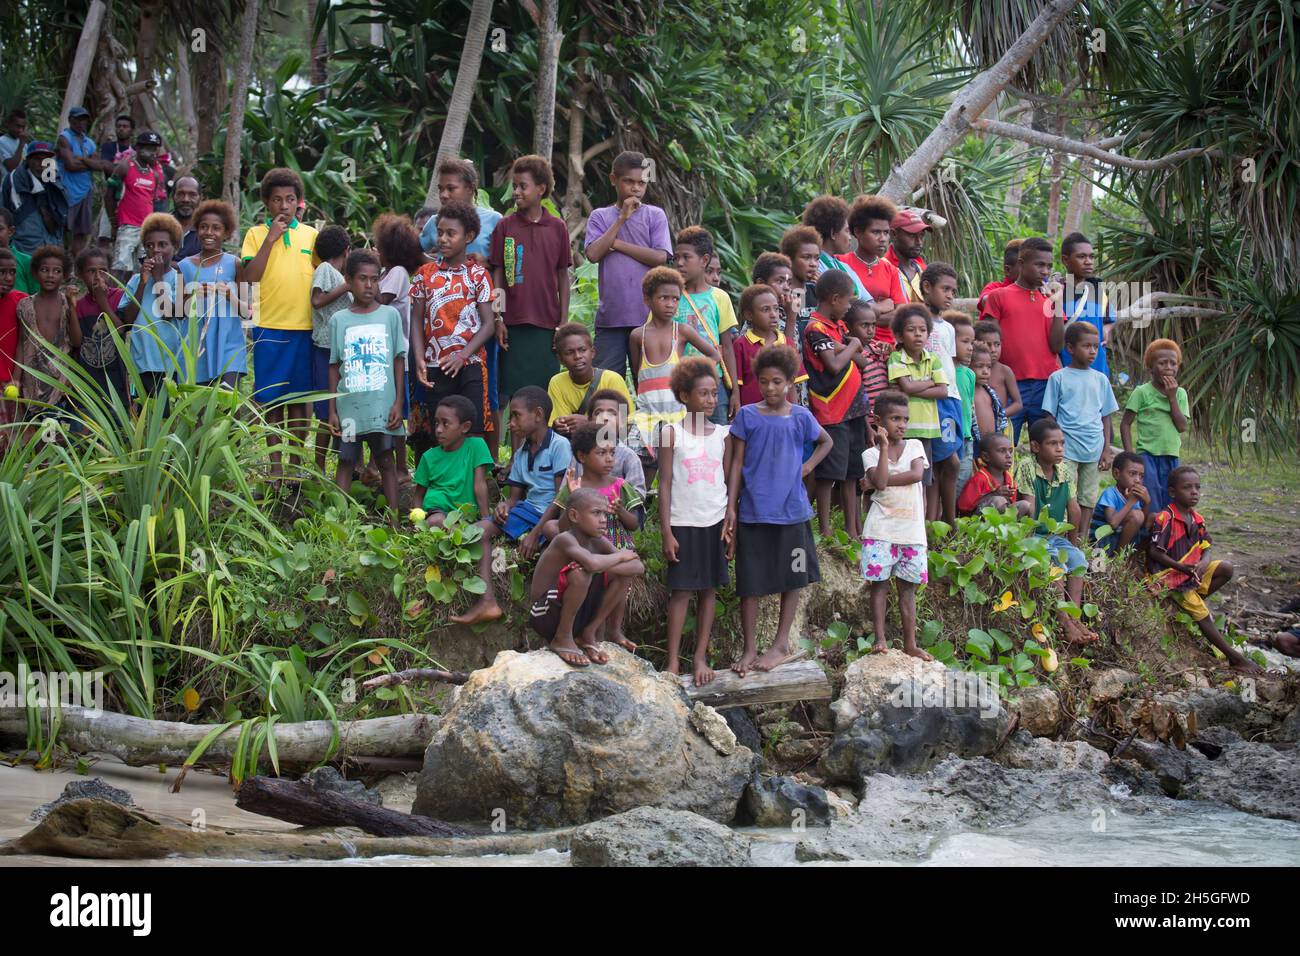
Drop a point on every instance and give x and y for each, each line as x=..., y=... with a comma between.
x=78, y=158
x=1083, y=298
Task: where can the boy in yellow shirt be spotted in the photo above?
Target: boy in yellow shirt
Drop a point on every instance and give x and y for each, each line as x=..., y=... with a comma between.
x=279, y=258
x=571, y=389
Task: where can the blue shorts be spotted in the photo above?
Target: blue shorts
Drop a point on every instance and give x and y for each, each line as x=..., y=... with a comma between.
x=282, y=364
x=1156, y=478
x=1031, y=409
x=950, y=439
x=967, y=466
x=1064, y=554
x=320, y=381
x=493, y=353
x=522, y=519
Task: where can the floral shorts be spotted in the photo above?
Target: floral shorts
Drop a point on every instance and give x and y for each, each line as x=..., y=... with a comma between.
x=882, y=560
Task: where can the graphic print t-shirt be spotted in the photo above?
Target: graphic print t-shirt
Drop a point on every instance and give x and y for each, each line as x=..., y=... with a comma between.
x=364, y=346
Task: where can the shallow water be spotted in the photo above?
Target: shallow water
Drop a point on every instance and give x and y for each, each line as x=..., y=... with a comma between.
x=1180, y=833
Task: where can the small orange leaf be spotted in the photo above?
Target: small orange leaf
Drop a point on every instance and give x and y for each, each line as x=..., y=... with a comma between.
x=377, y=656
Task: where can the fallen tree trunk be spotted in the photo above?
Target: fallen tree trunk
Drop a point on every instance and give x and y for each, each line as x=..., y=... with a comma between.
x=138, y=742
x=799, y=680
x=414, y=674
x=100, y=830
x=301, y=803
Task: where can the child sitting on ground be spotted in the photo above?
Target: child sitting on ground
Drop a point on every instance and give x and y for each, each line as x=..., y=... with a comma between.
x=918, y=374
x=581, y=583
x=760, y=312
x=1081, y=400
x=694, y=457
x=1001, y=379
x=893, y=536
x=593, y=448
x=572, y=387
x=1043, y=480
x=453, y=473
x=1179, y=560
x=991, y=484
x=836, y=398
x=1123, y=507
x=609, y=408
x=768, y=527
x=1160, y=410
x=368, y=375
x=663, y=336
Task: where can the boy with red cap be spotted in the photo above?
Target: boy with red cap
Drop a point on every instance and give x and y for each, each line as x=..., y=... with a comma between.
x=907, y=232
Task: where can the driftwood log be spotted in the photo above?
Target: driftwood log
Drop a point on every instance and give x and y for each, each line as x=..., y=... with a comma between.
x=138, y=742
x=303, y=804
x=798, y=680
x=414, y=675
x=100, y=830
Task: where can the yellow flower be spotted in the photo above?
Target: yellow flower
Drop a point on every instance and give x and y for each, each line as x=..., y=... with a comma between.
x=1039, y=631
x=190, y=699
x=418, y=515
x=1005, y=602
x=1055, y=572
x=432, y=573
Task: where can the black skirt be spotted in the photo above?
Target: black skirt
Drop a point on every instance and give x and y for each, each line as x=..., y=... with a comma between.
x=701, y=559
x=774, y=558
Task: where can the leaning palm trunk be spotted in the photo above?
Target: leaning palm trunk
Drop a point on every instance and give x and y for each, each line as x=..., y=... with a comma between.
x=462, y=94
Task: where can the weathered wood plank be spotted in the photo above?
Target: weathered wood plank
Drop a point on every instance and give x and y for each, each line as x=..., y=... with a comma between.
x=301, y=803
x=798, y=680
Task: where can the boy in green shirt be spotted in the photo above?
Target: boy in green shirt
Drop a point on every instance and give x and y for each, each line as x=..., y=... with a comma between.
x=453, y=473
x=918, y=374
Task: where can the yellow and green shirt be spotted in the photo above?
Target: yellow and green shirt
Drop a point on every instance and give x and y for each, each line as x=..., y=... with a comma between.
x=283, y=299
x=922, y=413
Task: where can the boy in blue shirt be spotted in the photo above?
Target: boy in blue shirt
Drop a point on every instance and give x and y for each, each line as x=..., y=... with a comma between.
x=538, y=467
x=1125, y=506
x=1083, y=300
x=1081, y=400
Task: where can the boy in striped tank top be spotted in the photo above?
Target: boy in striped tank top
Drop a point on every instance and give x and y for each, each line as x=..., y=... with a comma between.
x=656, y=348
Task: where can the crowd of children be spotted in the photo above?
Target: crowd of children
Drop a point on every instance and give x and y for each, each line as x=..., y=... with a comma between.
x=847, y=373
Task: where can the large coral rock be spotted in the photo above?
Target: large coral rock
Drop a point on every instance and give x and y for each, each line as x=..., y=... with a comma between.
x=550, y=745
x=655, y=837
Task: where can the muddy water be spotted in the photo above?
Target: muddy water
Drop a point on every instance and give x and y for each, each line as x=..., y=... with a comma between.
x=1185, y=834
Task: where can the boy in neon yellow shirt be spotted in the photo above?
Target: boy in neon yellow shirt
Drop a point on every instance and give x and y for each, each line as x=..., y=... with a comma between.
x=279, y=256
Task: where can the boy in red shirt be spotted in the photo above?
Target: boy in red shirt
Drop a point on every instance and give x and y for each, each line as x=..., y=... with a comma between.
x=143, y=183
x=869, y=221
x=991, y=484
x=1010, y=269
x=1033, y=328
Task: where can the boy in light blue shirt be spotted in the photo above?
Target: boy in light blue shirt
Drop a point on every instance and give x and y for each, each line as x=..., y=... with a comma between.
x=1081, y=400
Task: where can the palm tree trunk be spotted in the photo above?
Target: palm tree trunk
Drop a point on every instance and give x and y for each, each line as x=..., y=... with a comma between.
x=209, y=66
x=316, y=43
x=462, y=94
x=146, y=46
x=1054, y=190
x=185, y=87
x=81, y=63
x=231, y=185
x=548, y=64
x=571, y=208
x=972, y=100
x=1080, y=199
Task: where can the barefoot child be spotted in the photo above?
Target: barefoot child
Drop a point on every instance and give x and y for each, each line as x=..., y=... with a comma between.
x=581, y=582
x=1159, y=409
x=694, y=456
x=1081, y=400
x=1123, y=507
x=1043, y=480
x=1179, y=560
x=453, y=473
x=593, y=447
x=329, y=294
x=893, y=536
x=768, y=527
x=991, y=484
x=1001, y=379
x=368, y=375
x=836, y=397
x=47, y=323
x=707, y=309
x=656, y=348
x=917, y=373
x=151, y=306
x=938, y=284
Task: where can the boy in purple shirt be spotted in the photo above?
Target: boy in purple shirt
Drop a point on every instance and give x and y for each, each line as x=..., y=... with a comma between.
x=628, y=239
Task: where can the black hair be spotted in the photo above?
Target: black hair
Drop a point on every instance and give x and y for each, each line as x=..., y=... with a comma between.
x=1038, y=430
x=585, y=438
x=628, y=159
x=826, y=214
x=124, y=116
x=91, y=252
x=1181, y=472
x=331, y=242
x=869, y=209
x=935, y=271
x=860, y=305
x=987, y=327
x=903, y=313
x=278, y=178
x=585, y=498
x=889, y=398
x=463, y=213
x=1072, y=240
x=1125, y=458
x=608, y=395
x=987, y=440
x=698, y=238
x=358, y=258
x=766, y=264
x=834, y=282
x=1035, y=244
x=459, y=404
x=1077, y=330
x=780, y=357
x=532, y=397
x=8, y=217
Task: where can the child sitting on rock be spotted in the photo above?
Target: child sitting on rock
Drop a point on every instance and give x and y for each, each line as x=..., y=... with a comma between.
x=581, y=583
x=1179, y=560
